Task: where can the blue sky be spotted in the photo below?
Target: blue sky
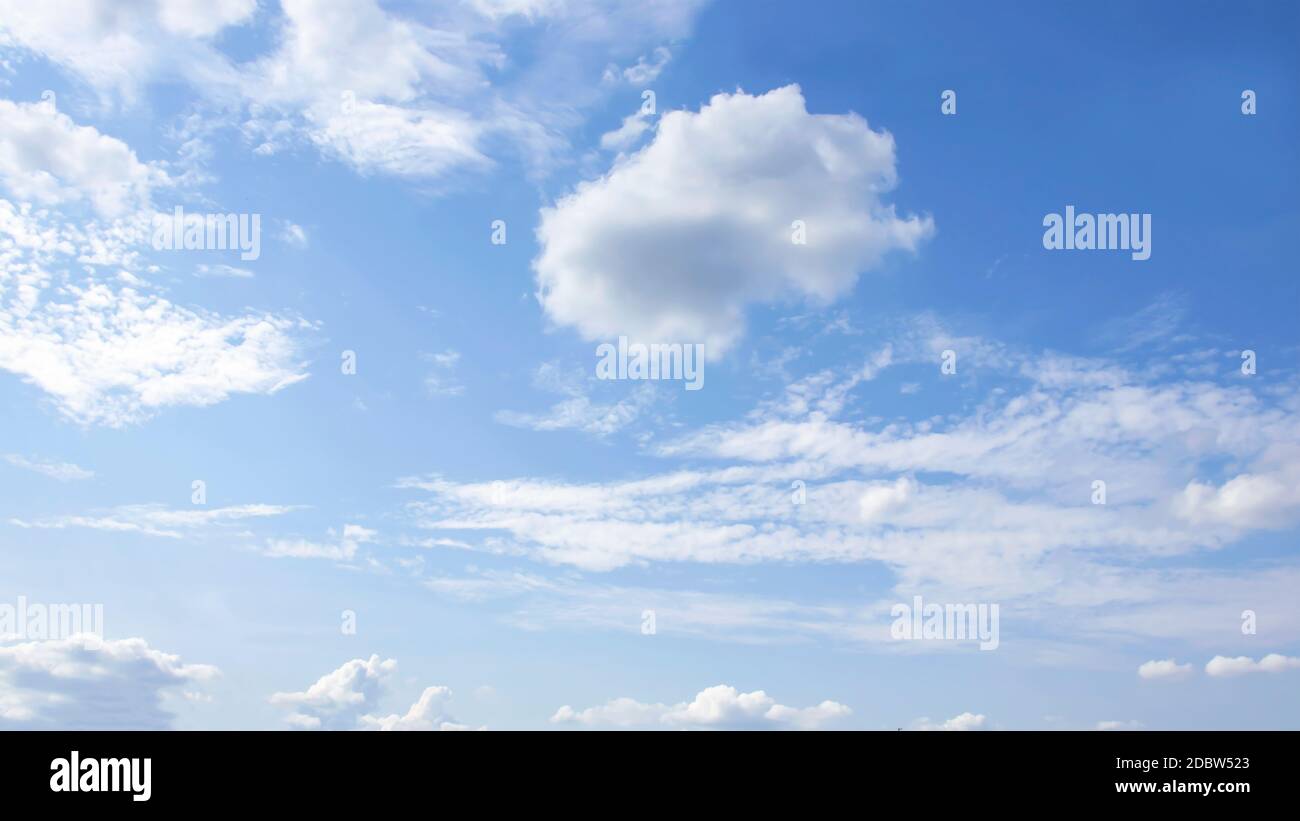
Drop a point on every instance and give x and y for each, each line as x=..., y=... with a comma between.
x=496, y=517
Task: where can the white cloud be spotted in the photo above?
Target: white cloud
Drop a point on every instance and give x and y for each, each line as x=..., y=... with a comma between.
x=497, y=9
x=1222, y=666
x=965, y=721
x=647, y=69
x=679, y=238
x=627, y=134
x=878, y=500
x=721, y=707
x=1164, y=669
x=63, y=471
x=1119, y=725
x=375, y=137
x=156, y=520
x=344, y=699
x=84, y=682
x=48, y=159
x=961, y=724
x=420, y=95
x=441, y=380
x=338, y=699
x=294, y=234
x=342, y=547
x=427, y=713
x=413, y=99
x=117, y=356
x=80, y=321
x=117, y=47
x=579, y=411
x=989, y=503
x=219, y=271
x=1248, y=501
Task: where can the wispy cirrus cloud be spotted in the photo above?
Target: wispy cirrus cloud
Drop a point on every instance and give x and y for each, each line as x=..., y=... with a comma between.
x=62, y=471
x=157, y=520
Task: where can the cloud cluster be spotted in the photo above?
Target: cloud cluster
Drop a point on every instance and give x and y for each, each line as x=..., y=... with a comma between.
x=992, y=502
x=84, y=682
x=345, y=698
x=718, y=707
x=1222, y=666
x=111, y=351
x=116, y=356
x=421, y=95
x=965, y=722
x=1027, y=457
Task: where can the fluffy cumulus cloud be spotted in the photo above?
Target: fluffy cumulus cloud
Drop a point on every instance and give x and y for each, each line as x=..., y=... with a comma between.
x=346, y=698
x=1164, y=669
x=429, y=712
x=959, y=723
x=718, y=707
x=679, y=238
x=1223, y=666
x=48, y=159
x=1248, y=500
x=85, y=682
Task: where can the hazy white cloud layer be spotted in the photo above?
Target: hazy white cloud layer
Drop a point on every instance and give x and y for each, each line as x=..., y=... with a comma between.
x=996, y=503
